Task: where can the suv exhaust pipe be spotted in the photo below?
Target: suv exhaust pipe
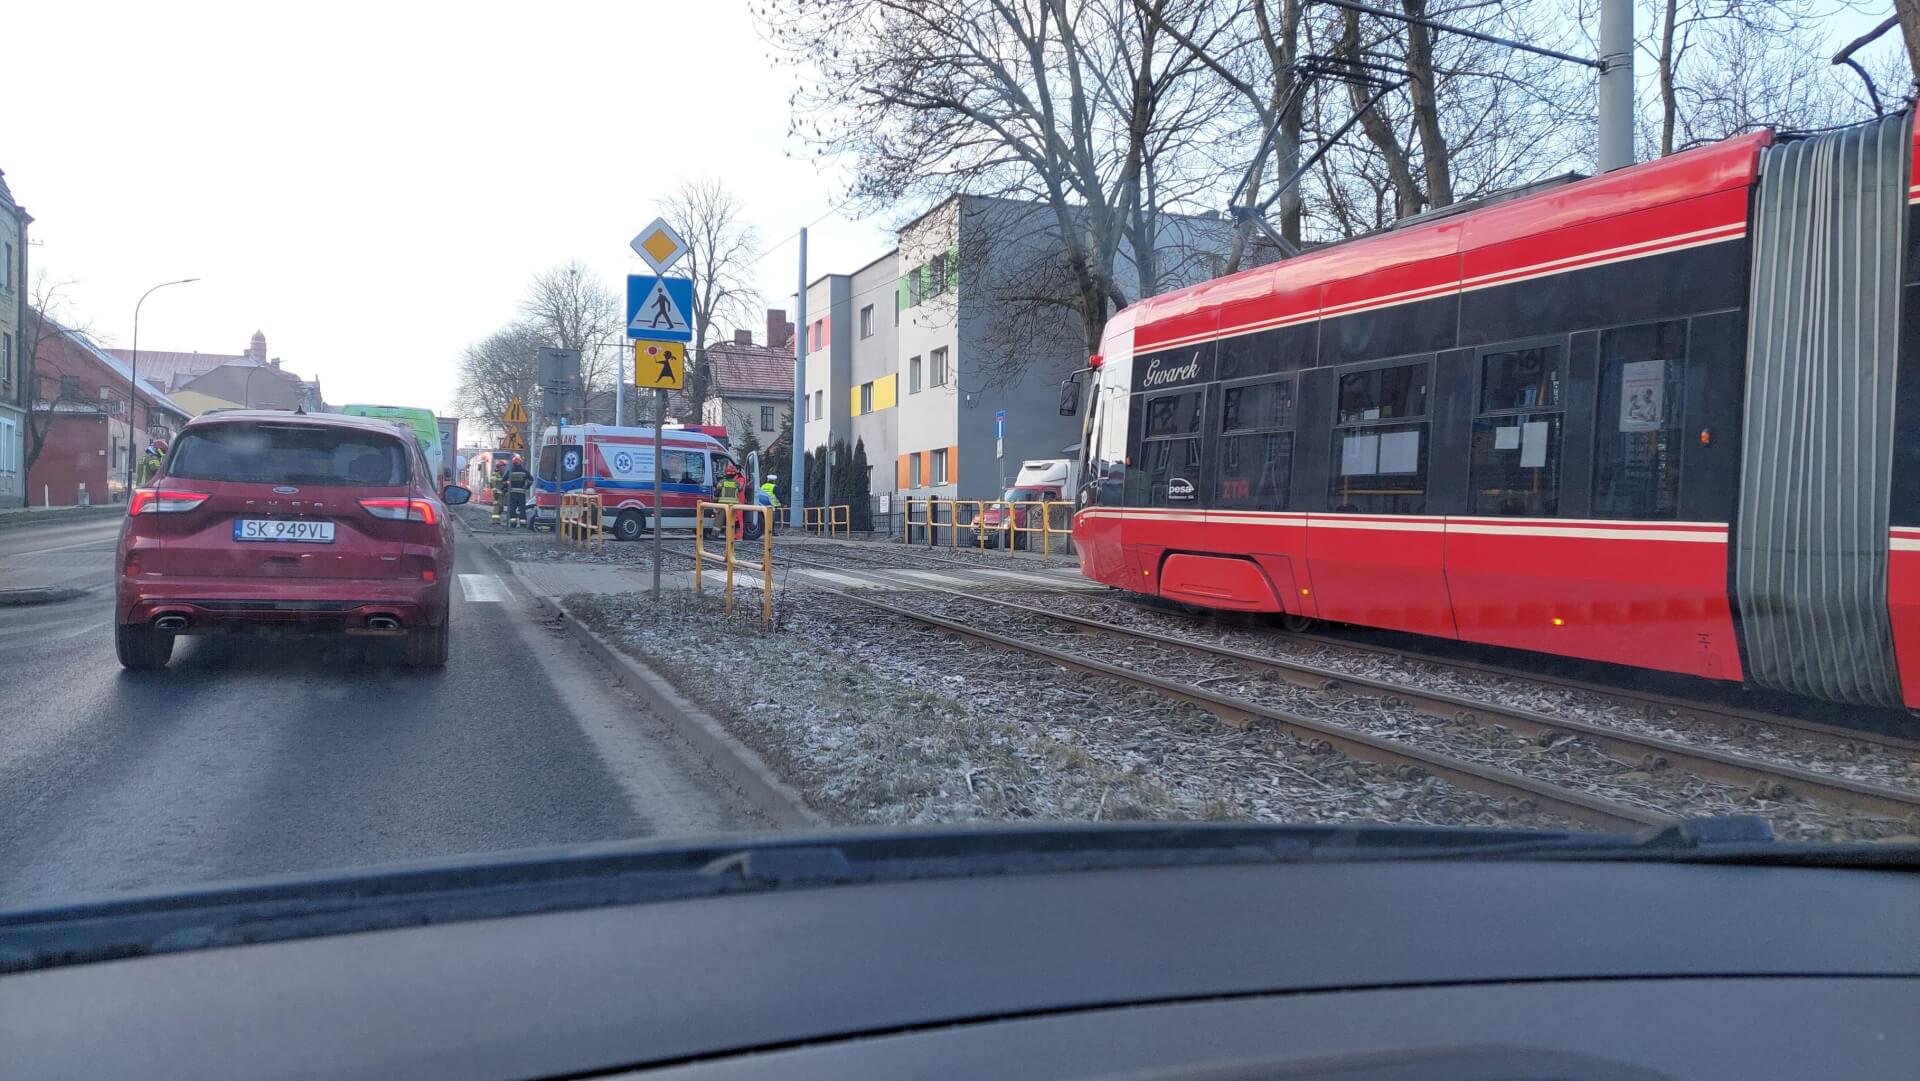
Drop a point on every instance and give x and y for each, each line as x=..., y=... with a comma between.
x=171, y=624
x=382, y=623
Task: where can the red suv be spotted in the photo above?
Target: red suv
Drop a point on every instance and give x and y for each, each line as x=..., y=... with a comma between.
x=303, y=522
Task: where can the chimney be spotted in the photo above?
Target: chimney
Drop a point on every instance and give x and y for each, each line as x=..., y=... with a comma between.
x=257, y=348
x=743, y=337
x=779, y=331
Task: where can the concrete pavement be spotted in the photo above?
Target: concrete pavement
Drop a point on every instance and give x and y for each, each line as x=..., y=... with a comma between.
x=264, y=756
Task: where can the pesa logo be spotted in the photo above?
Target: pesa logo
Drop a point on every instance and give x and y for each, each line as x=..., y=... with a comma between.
x=1180, y=488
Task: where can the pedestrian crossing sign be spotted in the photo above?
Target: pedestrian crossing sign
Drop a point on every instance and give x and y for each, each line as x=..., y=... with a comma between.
x=659, y=309
x=659, y=365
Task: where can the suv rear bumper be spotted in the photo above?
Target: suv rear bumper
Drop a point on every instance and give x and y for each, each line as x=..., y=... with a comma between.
x=297, y=605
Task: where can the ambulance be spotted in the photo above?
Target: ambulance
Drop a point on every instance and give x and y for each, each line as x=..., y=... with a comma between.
x=617, y=462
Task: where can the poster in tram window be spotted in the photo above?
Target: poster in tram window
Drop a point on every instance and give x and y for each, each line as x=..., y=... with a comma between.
x=1643, y=390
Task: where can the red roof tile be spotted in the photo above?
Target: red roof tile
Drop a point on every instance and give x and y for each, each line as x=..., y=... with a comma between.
x=751, y=370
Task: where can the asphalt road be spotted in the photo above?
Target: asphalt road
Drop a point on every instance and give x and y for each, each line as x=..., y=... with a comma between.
x=259, y=756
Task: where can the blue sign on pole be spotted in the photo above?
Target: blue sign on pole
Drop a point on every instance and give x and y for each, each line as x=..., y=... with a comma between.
x=1000, y=424
x=659, y=309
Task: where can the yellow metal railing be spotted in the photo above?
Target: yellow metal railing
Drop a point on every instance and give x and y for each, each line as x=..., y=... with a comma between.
x=1048, y=518
x=836, y=519
x=730, y=515
x=581, y=520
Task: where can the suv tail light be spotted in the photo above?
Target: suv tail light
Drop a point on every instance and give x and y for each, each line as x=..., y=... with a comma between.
x=401, y=510
x=153, y=501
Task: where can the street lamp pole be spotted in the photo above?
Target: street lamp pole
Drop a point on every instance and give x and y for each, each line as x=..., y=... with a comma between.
x=133, y=376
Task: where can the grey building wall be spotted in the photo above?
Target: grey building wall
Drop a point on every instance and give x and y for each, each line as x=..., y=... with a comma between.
x=873, y=330
x=830, y=366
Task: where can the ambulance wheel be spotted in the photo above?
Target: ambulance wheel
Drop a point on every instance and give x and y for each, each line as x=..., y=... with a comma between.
x=630, y=526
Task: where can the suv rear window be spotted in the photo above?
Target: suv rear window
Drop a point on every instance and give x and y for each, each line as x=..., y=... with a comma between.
x=289, y=454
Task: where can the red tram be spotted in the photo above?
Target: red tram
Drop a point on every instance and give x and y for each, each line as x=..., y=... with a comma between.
x=1666, y=417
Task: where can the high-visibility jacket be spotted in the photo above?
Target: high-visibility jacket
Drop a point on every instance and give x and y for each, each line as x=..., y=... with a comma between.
x=728, y=490
x=766, y=495
x=149, y=466
x=518, y=482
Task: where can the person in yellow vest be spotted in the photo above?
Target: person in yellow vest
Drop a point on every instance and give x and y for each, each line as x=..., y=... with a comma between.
x=727, y=490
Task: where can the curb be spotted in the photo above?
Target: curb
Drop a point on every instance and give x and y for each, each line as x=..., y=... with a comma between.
x=21, y=598
x=739, y=765
x=16, y=519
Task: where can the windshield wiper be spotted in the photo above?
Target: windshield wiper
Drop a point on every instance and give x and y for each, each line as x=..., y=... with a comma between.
x=597, y=876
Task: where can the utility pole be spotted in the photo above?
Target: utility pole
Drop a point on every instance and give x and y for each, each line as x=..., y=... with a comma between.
x=797, y=488
x=133, y=379
x=1616, y=85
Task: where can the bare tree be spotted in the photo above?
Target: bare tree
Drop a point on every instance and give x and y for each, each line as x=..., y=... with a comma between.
x=1086, y=108
x=567, y=307
x=47, y=322
x=496, y=370
x=1722, y=67
x=721, y=248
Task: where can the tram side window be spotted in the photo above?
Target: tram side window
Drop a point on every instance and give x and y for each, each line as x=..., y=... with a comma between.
x=1517, y=433
x=1168, y=470
x=1380, y=443
x=1637, y=439
x=1256, y=445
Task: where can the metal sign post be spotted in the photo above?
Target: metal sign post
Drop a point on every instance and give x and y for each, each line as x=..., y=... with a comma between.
x=658, y=310
x=660, y=367
x=659, y=422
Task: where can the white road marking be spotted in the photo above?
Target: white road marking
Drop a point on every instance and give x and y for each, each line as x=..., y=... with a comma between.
x=482, y=588
x=48, y=633
x=936, y=579
x=1022, y=576
x=834, y=579
x=113, y=541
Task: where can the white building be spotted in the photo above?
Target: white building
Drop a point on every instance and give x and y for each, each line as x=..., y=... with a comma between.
x=16, y=396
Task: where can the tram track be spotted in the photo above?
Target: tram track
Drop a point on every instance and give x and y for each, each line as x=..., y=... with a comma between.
x=1761, y=778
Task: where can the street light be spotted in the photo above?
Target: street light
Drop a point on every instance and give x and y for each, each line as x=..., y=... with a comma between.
x=133, y=376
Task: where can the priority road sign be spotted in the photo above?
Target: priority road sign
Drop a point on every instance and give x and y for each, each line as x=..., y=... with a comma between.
x=659, y=365
x=659, y=245
x=658, y=308
x=516, y=413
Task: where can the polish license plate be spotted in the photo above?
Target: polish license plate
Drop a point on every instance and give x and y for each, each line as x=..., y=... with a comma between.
x=282, y=529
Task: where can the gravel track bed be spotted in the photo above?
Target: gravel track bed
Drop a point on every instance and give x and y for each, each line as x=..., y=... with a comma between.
x=878, y=718
x=1565, y=760
x=1857, y=760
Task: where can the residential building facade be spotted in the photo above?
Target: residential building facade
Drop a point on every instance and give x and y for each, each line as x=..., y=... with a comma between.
x=82, y=401
x=15, y=395
x=873, y=369
x=958, y=383
x=751, y=385
x=829, y=359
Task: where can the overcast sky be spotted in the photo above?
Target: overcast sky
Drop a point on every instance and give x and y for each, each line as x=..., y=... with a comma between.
x=372, y=185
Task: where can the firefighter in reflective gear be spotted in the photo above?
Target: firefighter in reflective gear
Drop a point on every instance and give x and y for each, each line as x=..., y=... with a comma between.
x=150, y=462
x=499, y=491
x=518, y=482
x=730, y=485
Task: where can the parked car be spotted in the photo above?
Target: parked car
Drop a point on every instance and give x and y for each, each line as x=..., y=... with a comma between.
x=1048, y=479
x=292, y=522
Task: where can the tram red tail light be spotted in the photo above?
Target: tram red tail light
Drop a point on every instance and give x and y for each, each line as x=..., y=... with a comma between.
x=1706, y=437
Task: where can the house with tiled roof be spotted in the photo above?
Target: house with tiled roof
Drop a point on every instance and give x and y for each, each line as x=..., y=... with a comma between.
x=751, y=384
x=80, y=405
